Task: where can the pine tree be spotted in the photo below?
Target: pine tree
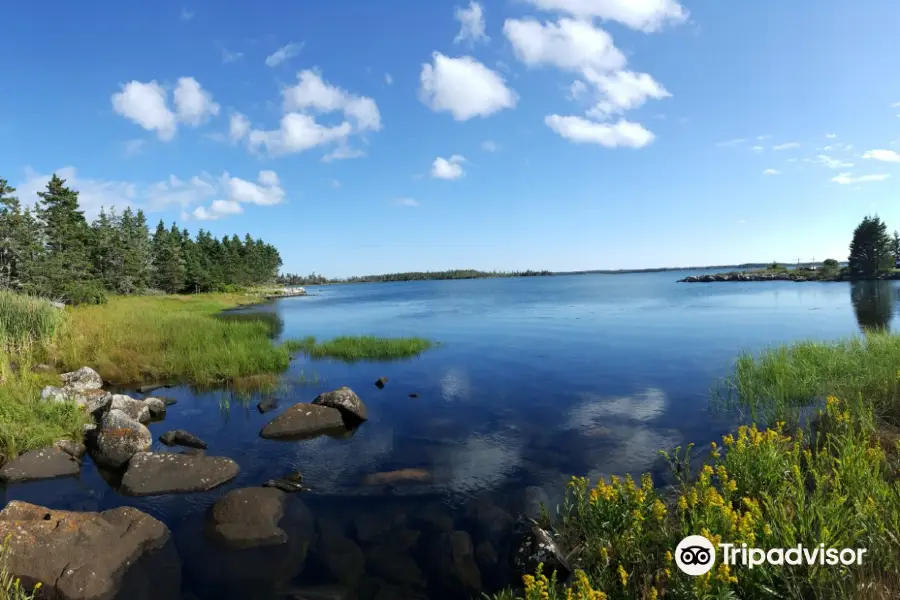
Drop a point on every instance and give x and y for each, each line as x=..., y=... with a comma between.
x=10, y=222
x=895, y=247
x=106, y=249
x=870, y=249
x=67, y=234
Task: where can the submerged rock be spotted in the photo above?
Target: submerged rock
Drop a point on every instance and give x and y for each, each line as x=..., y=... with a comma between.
x=381, y=382
x=346, y=401
x=119, y=553
x=413, y=395
x=152, y=473
x=286, y=486
x=342, y=557
x=398, y=476
x=180, y=437
x=267, y=405
x=247, y=518
x=136, y=409
x=458, y=562
x=303, y=420
x=46, y=463
x=82, y=380
x=118, y=439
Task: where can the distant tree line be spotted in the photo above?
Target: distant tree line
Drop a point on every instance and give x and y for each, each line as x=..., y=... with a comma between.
x=451, y=274
x=51, y=250
x=294, y=279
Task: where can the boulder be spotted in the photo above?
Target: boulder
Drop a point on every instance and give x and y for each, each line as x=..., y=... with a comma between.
x=458, y=564
x=156, y=407
x=75, y=449
x=486, y=554
x=119, y=553
x=168, y=401
x=93, y=401
x=180, y=437
x=82, y=380
x=152, y=473
x=118, y=439
x=433, y=516
x=46, y=463
x=320, y=592
x=341, y=556
x=491, y=522
x=247, y=518
x=267, y=405
x=381, y=382
x=135, y=409
x=400, y=569
x=303, y=420
x=344, y=400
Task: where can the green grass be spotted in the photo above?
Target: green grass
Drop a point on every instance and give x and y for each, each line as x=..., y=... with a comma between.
x=26, y=321
x=357, y=348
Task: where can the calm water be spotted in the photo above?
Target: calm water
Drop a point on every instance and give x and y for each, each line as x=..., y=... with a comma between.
x=535, y=379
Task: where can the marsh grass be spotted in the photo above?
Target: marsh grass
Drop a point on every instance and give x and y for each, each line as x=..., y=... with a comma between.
x=27, y=321
x=11, y=587
x=359, y=348
x=171, y=338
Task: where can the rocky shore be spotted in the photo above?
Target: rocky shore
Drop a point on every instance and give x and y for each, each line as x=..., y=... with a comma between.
x=782, y=276
x=256, y=541
x=286, y=292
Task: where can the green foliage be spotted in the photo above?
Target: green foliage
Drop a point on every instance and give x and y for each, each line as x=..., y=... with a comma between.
x=357, y=348
x=83, y=292
x=870, y=249
x=315, y=279
x=26, y=321
x=830, y=263
x=11, y=587
x=776, y=268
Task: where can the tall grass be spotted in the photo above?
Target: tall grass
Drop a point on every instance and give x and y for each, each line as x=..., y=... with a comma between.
x=26, y=321
x=134, y=339
x=11, y=587
x=366, y=347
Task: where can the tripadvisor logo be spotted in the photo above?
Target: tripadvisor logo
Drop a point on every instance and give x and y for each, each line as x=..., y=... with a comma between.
x=696, y=555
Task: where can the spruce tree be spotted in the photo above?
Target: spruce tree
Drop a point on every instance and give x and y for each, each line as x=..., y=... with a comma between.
x=66, y=233
x=870, y=250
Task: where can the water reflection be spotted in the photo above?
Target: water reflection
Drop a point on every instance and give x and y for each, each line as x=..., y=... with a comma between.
x=873, y=303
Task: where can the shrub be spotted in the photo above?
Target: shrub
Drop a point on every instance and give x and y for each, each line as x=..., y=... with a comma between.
x=84, y=292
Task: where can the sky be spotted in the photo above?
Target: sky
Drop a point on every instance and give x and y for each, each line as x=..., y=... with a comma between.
x=371, y=137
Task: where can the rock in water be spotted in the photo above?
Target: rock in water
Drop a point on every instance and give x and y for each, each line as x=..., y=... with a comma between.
x=82, y=380
x=303, y=420
x=119, y=553
x=152, y=473
x=75, y=449
x=180, y=437
x=533, y=546
x=247, y=518
x=135, y=409
x=458, y=562
x=119, y=438
x=266, y=405
x=381, y=382
x=46, y=463
x=285, y=485
x=156, y=406
x=344, y=400
x=414, y=395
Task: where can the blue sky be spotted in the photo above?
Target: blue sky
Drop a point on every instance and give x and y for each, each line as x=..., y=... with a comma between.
x=364, y=137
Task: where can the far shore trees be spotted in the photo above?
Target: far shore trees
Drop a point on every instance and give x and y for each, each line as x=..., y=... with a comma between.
x=870, y=250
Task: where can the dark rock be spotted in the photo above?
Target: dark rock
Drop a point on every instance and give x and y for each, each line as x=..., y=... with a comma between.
x=533, y=546
x=74, y=449
x=286, y=485
x=180, y=437
x=433, y=516
x=303, y=420
x=247, y=518
x=344, y=400
x=118, y=553
x=266, y=405
x=167, y=400
x=401, y=569
x=318, y=592
x=370, y=526
x=458, y=562
x=486, y=554
x=46, y=463
x=400, y=540
x=381, y=382
x=491, y=522
x=397, y=477
x=156, y=406
x=135, y=409
x=342, y=557
x=119, y=438
x=414, y=395
x=151, y=473
x=149, y=387
x=82, y=380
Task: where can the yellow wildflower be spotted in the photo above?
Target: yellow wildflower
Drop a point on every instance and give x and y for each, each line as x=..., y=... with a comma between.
x=623, y=575
x=659, y=510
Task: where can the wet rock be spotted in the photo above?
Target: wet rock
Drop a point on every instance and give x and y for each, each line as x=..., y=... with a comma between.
x=74, y=449
x=136, y=409
x=344, y=400
x=491, y=522
x=400, y=540
x=342, y=557
x=458, y=562
x=82, y=380
x=286, y=485
x=370, y=526
x=401, y=569
x=167, y=400
x=156, y=406
x=533, y=546
x=46, y=463
x=119, y=553
x=486, y=554
x=266, y=405
x=303, y=420
x=536, y=503
x=433, y=516
x=247, y=518
x=118, y=439
x=398, y=476
x=149, y=387
x=413, y=395
x=151, y=473
x=180, y=437
x=381, y=382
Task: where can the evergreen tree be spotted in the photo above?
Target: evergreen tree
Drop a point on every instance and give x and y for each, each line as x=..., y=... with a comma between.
x=168, y=261
x=106, y=249
x=895, y=247
x=66, y=233
x=870, y=250
x=10, y=223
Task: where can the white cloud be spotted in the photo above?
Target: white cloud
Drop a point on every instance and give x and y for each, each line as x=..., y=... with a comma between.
x=410, y=202
x=145, y=104
x=471, y=24
x=847, y=178
x=787, y=146
x=267, y=192
x=761, y=138
x=193, y=105
x=134, y=147
x=230, y=57
x=643, y=15
x=388, y=79
x=568, y=44
x=833, y=163
x=217, y=210
x=771, y=172
x=612, y=135
x=757, y=148
x=882, y=155
x=895, y=105
x=284, y=53
x=623, y=90
x=238, y=127
x=449, y=169
x=92, y=193
x=464, y=87
x=343, y=152
x=314, y=93
x=298, y=133
x=830, y=136
x=732, y=143
x=490, y=146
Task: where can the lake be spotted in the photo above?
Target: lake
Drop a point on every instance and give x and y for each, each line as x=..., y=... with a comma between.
x=534, y=380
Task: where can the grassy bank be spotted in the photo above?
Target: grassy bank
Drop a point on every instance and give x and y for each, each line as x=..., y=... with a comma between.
x=835, y=483
x=356, y=348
